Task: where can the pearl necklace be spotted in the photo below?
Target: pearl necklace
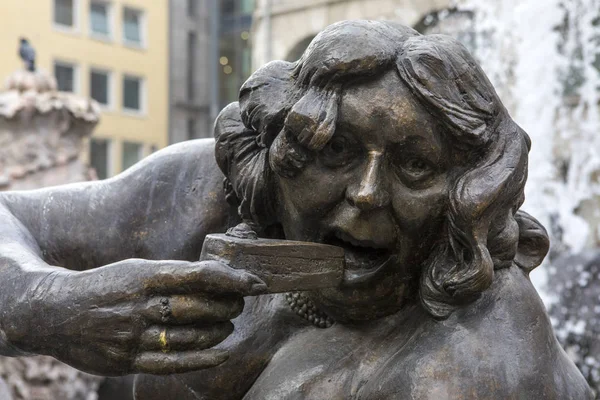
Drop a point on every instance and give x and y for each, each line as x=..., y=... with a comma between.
x=304, y=307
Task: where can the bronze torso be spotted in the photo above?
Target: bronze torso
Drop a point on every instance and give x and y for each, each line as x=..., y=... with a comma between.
x=403, y=356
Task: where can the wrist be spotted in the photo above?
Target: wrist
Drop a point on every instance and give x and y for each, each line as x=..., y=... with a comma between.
x=26, y=312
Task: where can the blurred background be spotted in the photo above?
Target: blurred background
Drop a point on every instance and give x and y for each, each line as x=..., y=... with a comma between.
x=116, y=80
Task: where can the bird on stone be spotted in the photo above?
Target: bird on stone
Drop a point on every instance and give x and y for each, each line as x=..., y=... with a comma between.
x=27, y=54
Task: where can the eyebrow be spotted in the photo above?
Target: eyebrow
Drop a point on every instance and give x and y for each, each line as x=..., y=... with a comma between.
x=347, y=125
x=418, y=144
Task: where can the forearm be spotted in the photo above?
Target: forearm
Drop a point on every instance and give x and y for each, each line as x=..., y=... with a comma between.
x=19, y=291
x=69, y=225
x=21, y=272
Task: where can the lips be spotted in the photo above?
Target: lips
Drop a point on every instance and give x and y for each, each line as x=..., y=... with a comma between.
x=365, y=260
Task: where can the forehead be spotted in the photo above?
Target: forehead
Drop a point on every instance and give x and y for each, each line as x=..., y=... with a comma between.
x=384, y=107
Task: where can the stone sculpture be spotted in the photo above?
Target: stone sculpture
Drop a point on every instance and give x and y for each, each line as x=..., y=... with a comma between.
x=42, y=132
x=391, y=145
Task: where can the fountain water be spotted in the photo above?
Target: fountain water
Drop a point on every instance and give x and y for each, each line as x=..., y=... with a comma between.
x=543, y=56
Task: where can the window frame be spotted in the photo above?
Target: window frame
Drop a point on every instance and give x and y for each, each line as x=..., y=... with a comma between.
x=142, y=24
x=110, y=154
x=142, y=93
x=109, y=17
x=191, y=66
x=66, y=28
x=109, y=88
x=68, y=64
x=191, y=128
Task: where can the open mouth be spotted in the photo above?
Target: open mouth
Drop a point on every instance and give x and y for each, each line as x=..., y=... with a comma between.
x=364, y=259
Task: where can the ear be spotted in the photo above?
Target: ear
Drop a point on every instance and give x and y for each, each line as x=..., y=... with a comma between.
x=533, y=242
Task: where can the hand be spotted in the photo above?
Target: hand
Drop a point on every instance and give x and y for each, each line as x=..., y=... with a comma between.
x=134, y=316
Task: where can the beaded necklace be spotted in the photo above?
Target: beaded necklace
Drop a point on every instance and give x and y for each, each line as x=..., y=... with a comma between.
x=304, y=307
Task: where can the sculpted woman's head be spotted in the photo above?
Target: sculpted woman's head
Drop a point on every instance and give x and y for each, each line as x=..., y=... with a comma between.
x=394, y=146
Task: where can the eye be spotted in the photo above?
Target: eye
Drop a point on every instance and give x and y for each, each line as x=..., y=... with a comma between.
x=416, y=166
x=337, y=145
x=415, y=169
x=339, y=151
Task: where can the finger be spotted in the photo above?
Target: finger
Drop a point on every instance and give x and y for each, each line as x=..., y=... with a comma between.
x=159, y=363
x=202, y=276
x=176, y=338
x=190, y=309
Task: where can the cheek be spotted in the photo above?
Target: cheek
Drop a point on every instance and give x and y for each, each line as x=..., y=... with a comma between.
x=419, y=212
x=312, y=192
x=305, y=200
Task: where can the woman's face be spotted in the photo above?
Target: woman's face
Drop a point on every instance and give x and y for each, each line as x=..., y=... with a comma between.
x=378, y=189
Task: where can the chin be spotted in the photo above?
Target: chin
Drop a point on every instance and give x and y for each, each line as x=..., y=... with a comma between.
x=376, y=281
x=375, y=298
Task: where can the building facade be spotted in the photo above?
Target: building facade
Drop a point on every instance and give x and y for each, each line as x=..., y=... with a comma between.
x=210, y=58
x=190, y=68
x=103, y=49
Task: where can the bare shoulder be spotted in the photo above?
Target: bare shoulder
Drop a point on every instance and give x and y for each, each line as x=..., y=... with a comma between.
x=502, y=347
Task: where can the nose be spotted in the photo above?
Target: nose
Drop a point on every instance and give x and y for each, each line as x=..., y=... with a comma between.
x=369, y=191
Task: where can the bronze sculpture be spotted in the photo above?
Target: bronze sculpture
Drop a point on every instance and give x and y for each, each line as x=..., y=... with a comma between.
x=389, y=144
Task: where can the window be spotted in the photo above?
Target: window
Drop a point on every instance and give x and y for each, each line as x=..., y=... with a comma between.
x=229, y=88
x=191, y=66
x=65, y=76
x=191, y=128
x=64, y=13
x=132, y=26
x=100, y=86
x=191, y=8
x=99, y=18
x=132, y=93
x=247, y=7
x=132, y=153
x=100, y=157
x=234, y=49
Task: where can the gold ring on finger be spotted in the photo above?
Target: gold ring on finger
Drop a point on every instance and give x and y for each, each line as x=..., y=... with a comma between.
x=164, y=343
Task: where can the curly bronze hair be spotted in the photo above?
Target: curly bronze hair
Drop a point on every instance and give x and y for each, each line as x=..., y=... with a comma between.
x=287, y=113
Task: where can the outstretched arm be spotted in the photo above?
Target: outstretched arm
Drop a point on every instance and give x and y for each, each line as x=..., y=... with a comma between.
x=160, y=209
x=134, y=315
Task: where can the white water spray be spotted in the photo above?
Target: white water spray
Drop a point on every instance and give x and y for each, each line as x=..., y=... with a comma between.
x=543, y=58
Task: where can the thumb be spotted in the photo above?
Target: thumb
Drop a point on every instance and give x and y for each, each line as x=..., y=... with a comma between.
x=180, y=277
